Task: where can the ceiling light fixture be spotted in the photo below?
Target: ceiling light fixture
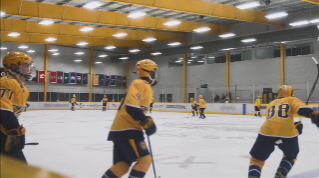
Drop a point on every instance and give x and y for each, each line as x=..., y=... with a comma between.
x=171, y=23
x=276, y=15
x=211, y=57
x=53, y=50
x=188, y=62
x=13, y=34
x=248, y=5
x=77, y=60
x=98, y=62
x=2, y=13
x=23, y=47
x=82, y=43
x=200, y=61
x=304, y=22
x=3, y=48
x=46, y=22
x=134, y=15
x=227, y=49
x=79, y=53
x=86, y=29
x=314, y=21
x=134, y=50
x=31, y=51
x=196, y=47
x=124, y=58
x=248, y=40
x=102, y=55
x=156, y=53
x=179, y=61
x=55, y=54
x=227, y=35
x=149, y=39
x=50, y=39
x=93, y=5
x=120, y=34
x=174, y=44
x=203, y=29
x=110, y=47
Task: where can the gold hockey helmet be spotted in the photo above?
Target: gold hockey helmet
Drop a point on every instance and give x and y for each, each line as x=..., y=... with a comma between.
x=14, y=61
x=146, y=68
x=285, y=91
x=200, y=97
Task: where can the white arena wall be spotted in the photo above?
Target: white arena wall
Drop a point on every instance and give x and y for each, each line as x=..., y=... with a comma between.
x=211, y=108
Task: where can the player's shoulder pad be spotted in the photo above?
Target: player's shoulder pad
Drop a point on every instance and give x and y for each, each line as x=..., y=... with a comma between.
x=8, y=82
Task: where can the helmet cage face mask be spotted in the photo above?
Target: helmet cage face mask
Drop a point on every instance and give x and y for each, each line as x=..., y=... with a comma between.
x=152, y=76
x=31, y=71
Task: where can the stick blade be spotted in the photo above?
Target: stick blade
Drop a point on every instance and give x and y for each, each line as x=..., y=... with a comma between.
x=315, y=60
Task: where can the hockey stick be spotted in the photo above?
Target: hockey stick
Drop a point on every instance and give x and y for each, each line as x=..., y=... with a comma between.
x=32, y=143
x=314, y=85
x=149, y=144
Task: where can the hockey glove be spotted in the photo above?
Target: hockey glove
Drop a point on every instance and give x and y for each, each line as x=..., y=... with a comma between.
x=299, y=127
x=15, y=139
x=148, y=125
x=315, y=118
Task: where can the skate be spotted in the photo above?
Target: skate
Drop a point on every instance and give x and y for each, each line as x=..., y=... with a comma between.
x=255, y=115
x=278, y=173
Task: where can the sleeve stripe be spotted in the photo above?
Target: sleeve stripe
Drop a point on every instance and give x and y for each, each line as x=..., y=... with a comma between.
x=6, y=109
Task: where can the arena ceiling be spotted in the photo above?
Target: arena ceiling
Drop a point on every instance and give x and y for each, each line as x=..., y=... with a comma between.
x=69, y=16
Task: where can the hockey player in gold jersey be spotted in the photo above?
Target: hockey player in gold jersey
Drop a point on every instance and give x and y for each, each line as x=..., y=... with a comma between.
x=128, y=125
x=280, y=130
x=194, y=107
x=73, y=102
x=104, y=100
x=257, y=107
x=13, y=97
x=202, y=106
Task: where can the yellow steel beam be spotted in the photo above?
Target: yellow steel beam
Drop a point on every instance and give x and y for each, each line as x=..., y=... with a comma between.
x=70, y=40
x=91, y=74
x=227, y=71
x=282, y=64
x=46, y=72
x=206, y=8
x=75, y=14
x=74, y=30
x=312, y=1
x=184, y=76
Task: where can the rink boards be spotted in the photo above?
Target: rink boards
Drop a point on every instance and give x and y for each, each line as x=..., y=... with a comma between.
x=212, y=108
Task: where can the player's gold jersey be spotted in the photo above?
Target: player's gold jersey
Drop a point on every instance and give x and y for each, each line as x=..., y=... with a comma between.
x=139, y=95
x=73, y=100
x=13, y=96
x=194, y=103
x=105, y=100
x=202, y=103
x=280, y=117
x=257, y=103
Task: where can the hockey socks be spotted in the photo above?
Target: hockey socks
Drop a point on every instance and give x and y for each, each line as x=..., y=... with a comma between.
x=193, y=113
x=254, y=171
x=284, y=167
x=109, y=174
x=136, y=174
x=259, y=114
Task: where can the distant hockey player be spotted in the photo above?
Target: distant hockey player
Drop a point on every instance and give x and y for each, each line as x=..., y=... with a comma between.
x=73, y=102
x=128, y=125
x=194, y=107
x=151, y=105
x=13, y=99
x=280, y=130
x=202, y=106
x=257, y=106
x=104, y=100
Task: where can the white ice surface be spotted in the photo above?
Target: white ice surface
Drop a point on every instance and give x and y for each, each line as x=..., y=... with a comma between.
x=74, y=144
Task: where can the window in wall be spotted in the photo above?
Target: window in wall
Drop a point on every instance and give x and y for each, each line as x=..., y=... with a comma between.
x=216, y=58
x=175, y=62
x=240, y=56
x=264, y=53
x=300, y=49
x=195, y=60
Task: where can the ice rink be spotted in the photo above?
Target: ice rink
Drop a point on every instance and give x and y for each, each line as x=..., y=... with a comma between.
x=74, y=144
